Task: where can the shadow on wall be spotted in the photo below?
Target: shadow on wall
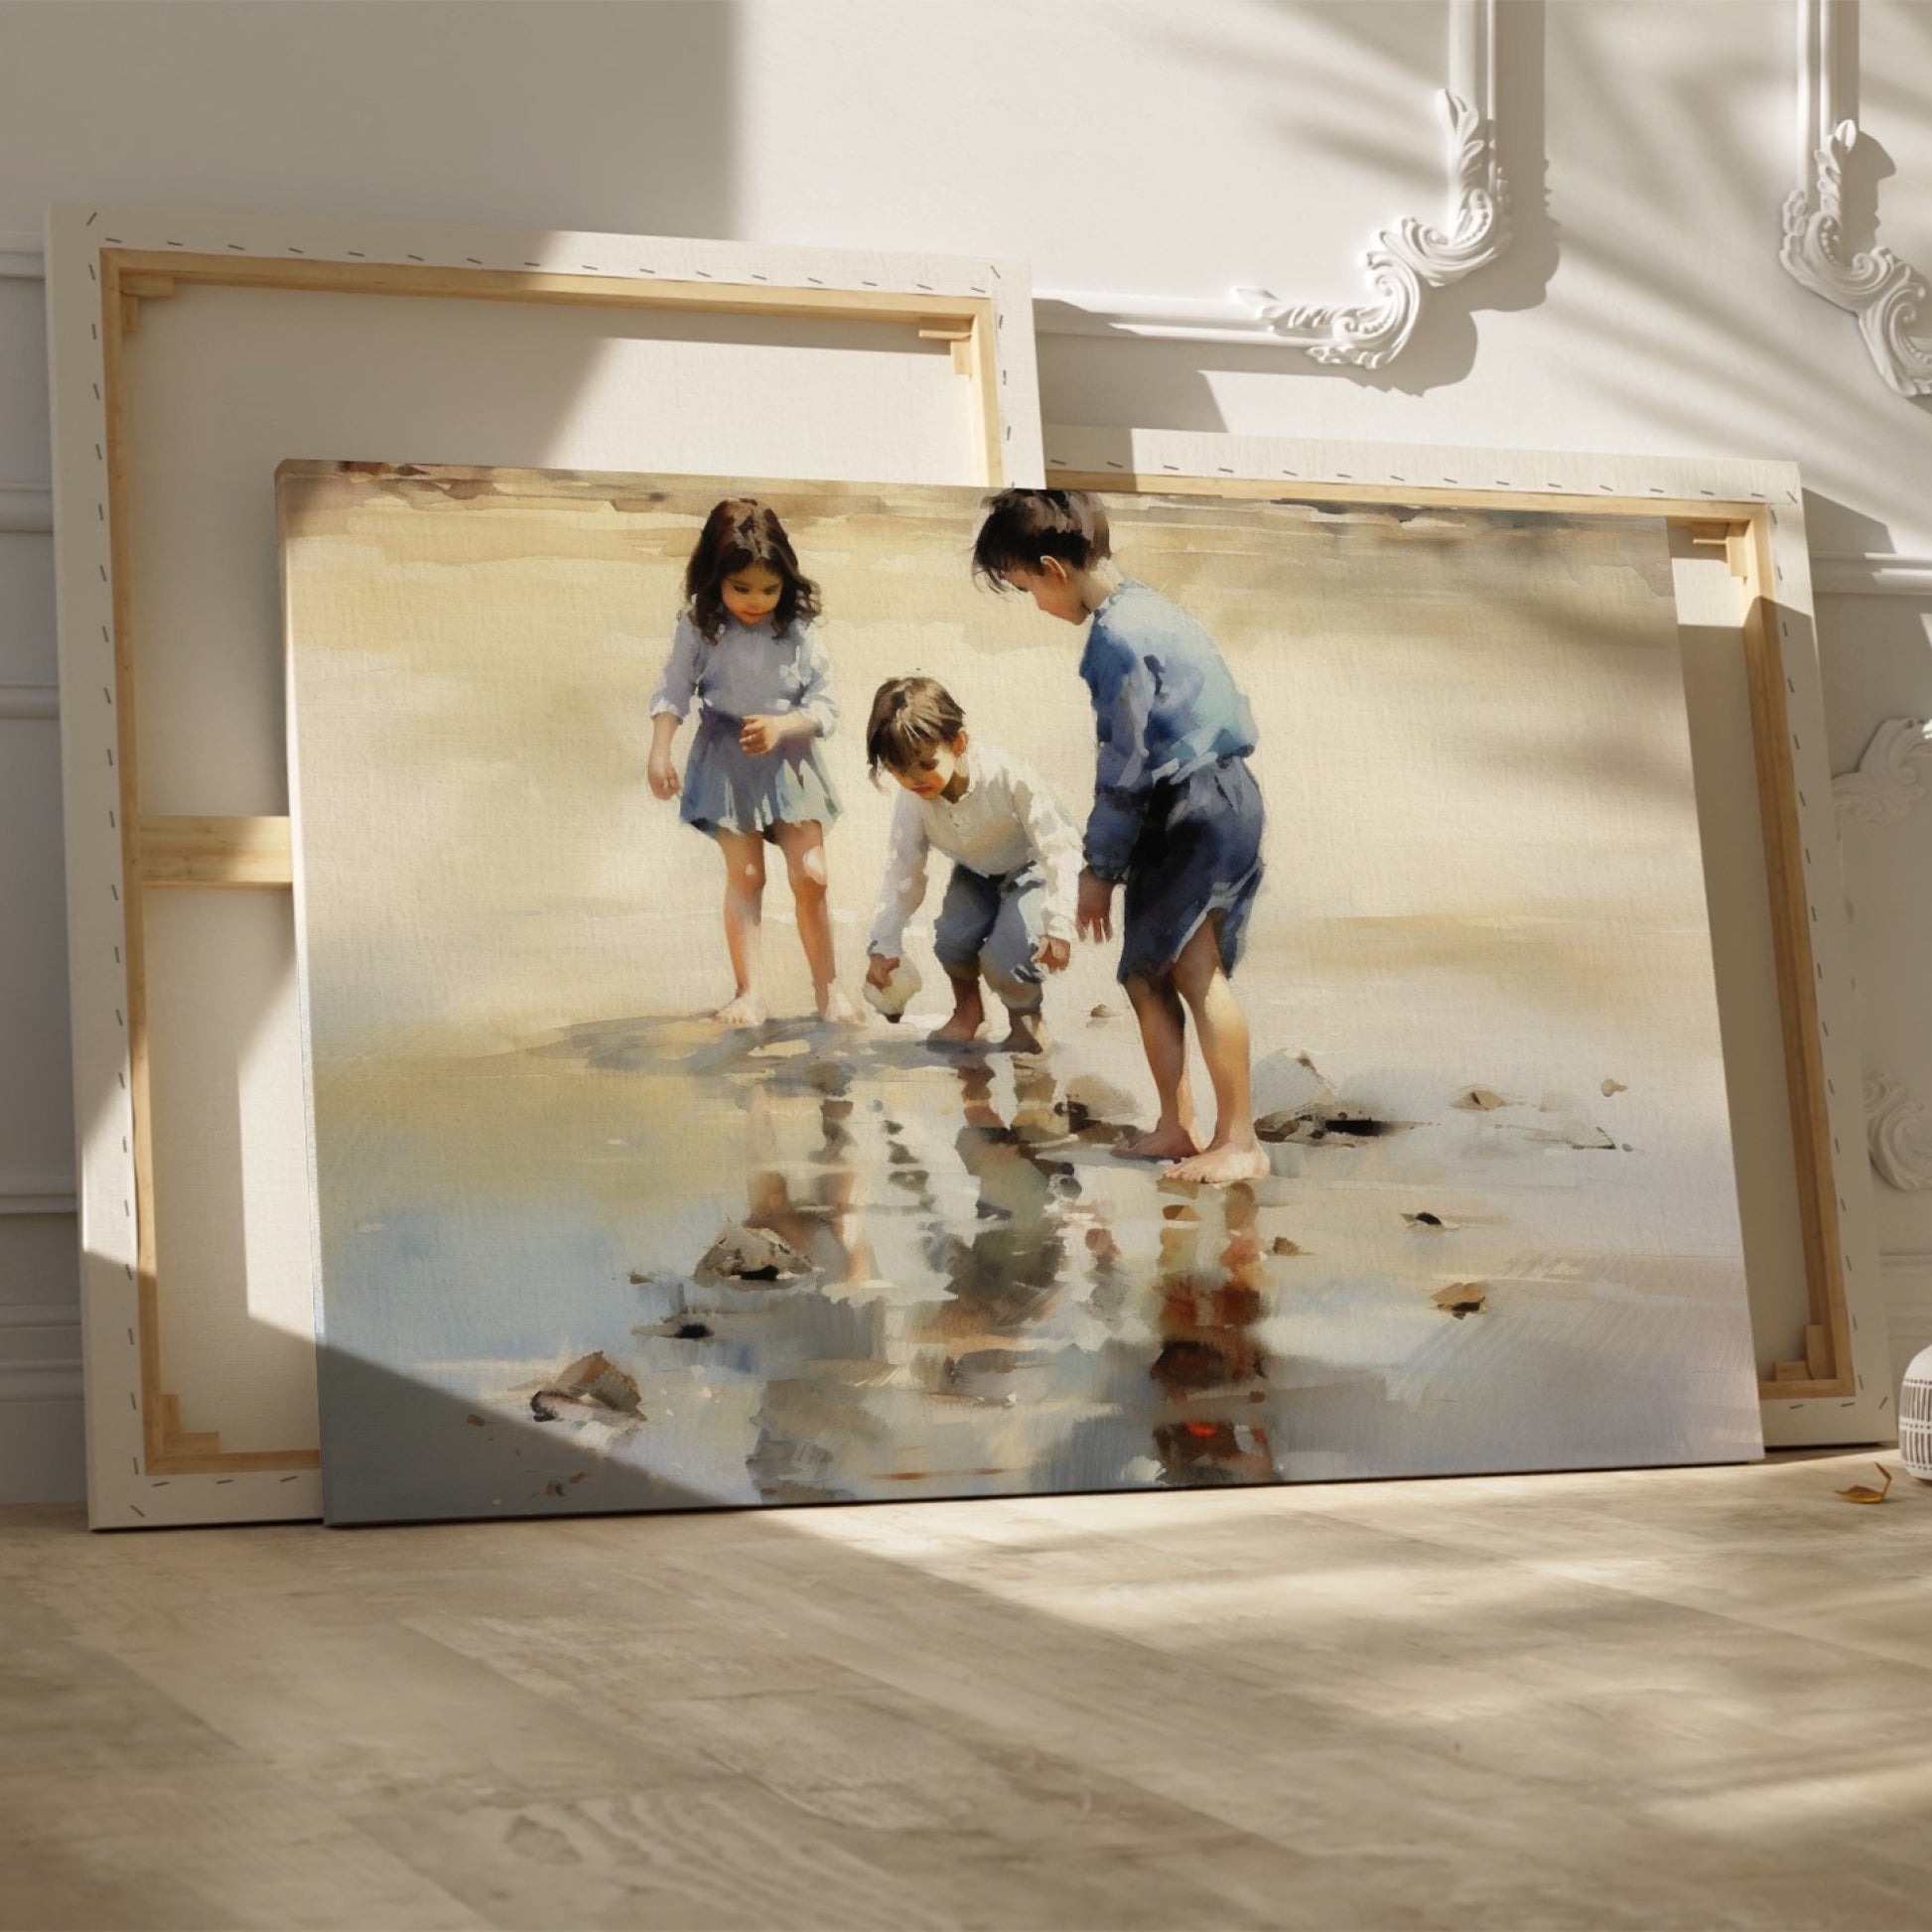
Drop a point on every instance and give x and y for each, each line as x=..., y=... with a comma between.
x=1877, y=654
x=1709, y=342
x=398, y=111
x=1875, y=648
x=1326, y=110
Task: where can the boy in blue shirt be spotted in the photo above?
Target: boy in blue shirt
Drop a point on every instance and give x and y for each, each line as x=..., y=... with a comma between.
x=1177, y=814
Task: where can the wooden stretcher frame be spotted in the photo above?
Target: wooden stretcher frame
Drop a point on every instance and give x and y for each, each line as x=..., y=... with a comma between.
x=145, y=1467
x=1752, y=514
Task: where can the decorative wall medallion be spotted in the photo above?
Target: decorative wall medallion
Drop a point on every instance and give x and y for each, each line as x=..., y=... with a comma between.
x=1887, y=784
x=1899, y=1132
x=1405, y=262
x=1888, y=296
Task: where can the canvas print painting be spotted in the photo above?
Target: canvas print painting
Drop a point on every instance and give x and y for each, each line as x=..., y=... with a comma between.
x=822, y=994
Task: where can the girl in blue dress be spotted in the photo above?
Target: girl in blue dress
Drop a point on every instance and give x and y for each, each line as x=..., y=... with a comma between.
x=746, y=652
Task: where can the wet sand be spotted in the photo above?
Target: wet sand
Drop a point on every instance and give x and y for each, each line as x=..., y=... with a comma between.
x=991, y=1303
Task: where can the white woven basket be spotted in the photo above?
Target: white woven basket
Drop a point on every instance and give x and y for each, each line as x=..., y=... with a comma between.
x=1916, y=1417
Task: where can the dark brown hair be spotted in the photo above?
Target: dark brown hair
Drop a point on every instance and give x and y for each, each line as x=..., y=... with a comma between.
x=909, y=716
x=1021, y=528
x=739, y=532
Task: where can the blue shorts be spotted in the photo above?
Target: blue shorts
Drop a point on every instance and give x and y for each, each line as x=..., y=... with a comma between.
x=1198, y=852
x=993, y=924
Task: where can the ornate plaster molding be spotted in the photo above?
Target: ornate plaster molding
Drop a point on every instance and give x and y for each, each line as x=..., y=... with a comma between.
x=40, y=1351
x=20, y=701
x=1887, y=784
x=38, y=1193
x=1870, y=573
x=1887, y=295
x=1406, y=262
x=1883, y=789
x=57, y=1381
x=26, y=507
x=1899, y=1132
x=20, y=259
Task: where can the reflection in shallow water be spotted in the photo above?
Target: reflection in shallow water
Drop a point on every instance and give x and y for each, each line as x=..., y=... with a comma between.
x=970, y=1313
x=974, y=1296
x=1211, y=1368
x=1007, y=1278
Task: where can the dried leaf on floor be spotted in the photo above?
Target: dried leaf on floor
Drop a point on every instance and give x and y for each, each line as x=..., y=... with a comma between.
x=1861, y=1492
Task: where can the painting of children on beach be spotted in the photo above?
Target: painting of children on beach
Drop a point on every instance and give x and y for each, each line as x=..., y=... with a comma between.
x=821, y=993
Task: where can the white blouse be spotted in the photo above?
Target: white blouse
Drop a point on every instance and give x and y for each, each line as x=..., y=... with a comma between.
x=1005, y=819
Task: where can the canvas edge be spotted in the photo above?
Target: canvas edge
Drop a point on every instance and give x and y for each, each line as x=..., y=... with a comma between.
x=1870, y=1412
x=289, y=477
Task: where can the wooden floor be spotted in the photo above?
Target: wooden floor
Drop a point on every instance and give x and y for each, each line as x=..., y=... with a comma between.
x=1677, y=1699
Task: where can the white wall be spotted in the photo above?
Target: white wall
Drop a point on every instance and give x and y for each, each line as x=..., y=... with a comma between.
x=1123, y=145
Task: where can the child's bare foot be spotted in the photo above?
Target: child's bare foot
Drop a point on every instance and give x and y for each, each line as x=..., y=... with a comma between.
x=835, y=1008
x=1221, y=1165
x=1159, y=1144
x=1026, y=1033
x=747, y=1010
x=968, y=1016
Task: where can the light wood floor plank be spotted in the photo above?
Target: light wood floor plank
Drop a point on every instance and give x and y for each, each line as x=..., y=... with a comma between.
x=1677, y=1698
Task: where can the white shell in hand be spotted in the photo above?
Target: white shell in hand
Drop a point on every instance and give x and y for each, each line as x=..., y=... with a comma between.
x=897, y=993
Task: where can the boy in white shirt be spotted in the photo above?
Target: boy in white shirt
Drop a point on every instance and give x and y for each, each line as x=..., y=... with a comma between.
x=1009, y=913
